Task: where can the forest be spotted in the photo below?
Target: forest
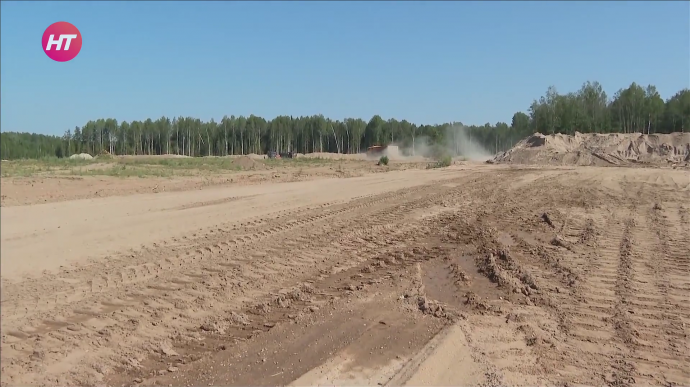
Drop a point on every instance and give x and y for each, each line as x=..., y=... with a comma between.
x=634, y=109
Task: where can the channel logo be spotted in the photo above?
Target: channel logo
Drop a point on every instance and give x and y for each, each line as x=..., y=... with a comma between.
x=61, y=41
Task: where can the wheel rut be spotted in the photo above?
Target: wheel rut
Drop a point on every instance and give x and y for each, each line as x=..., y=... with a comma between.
x=573, y=277
x=170, y=289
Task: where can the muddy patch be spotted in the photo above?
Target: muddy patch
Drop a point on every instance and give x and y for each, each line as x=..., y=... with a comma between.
x=449, y=280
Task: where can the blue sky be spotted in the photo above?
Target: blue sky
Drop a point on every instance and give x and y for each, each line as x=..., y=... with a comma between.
x=427, y=62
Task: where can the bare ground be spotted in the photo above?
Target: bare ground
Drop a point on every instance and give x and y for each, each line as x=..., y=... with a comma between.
x=472, y=275
x=26, y=183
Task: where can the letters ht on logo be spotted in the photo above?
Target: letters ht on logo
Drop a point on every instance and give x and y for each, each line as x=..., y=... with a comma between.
x=61, y=41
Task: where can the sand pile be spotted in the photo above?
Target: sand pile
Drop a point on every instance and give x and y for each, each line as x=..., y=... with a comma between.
x=153, y=157
x=254, y=156
x=333, y=156
x=247, y=163
x=599, y=149
x=81, y=156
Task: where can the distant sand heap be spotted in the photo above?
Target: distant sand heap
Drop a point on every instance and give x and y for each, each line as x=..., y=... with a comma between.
x=599, y=149
x=247, y=163
x=332, y=156
x=81, y=156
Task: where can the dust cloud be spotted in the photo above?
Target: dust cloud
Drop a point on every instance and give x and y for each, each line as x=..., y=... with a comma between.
x=457, y=142
x=419, y=148
x=460, y=142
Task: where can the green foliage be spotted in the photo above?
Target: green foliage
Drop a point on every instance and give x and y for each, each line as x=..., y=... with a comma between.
x=438, y=151
x=120, y=167
x=634, y=109
x=443, y=162
x=383, y=160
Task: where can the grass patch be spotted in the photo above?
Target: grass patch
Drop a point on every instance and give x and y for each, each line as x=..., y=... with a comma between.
x=48, y=165
x=143, y=166
x=206, y=164
x=443, y=162
x=298, y=161
x=119, y=166
x=123, y=171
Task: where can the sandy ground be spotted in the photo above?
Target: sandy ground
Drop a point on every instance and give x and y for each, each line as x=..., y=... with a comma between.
x=57, y=187
x=598, y=149
x=469, y=275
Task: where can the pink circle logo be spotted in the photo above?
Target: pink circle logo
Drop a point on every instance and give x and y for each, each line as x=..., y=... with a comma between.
x=61, y=41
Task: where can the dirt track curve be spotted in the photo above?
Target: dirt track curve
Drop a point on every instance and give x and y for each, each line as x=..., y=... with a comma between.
x=473, y=275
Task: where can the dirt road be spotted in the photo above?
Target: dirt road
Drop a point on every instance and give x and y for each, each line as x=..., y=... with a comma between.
x=477, y=275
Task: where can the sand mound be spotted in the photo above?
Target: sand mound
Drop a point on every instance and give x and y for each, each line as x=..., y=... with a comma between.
x=333, y=156
x=599, y=149
x=152, y=157
x=81, y=156
x=247, y=163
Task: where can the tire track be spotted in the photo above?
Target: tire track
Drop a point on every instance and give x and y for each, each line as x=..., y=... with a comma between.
x=542, y=264
x=602, y=292
x=638, y=318
x=663, y=314
x=529, y=281
x=210, y=203
x=610, y=253
x=587, y=307
x=624, y=370
x=126, y=273
x=124, y=270
x=613, y=287
x=405, y=248
x=152, y=292
x=616, y=325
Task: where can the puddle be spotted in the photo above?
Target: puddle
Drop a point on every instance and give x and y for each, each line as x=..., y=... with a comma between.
x=439, y=283
x=443, y=283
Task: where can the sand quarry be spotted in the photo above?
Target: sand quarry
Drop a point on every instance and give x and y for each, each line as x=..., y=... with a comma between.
x=529, y=271
x=601, y=149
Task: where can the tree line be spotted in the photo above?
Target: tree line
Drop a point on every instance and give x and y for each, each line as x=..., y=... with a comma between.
x=634, y=109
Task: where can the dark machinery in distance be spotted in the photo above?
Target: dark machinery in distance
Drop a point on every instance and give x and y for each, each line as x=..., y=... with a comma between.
x=276, y=155
x=377, y=150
